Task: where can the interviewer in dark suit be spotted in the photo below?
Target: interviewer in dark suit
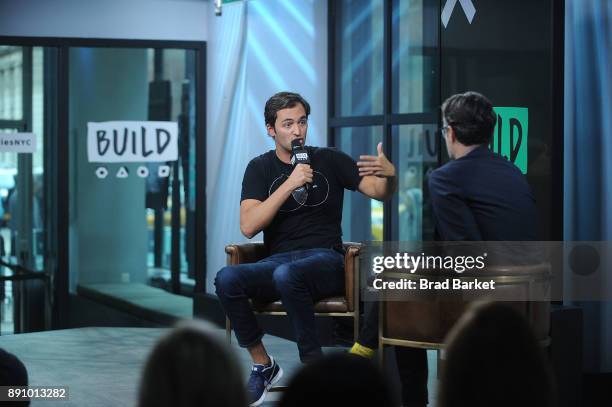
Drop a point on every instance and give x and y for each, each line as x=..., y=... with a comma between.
x=478, y=194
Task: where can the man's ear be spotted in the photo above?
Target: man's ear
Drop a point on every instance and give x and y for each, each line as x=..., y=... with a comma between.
x=452, y=137
x=271, y=131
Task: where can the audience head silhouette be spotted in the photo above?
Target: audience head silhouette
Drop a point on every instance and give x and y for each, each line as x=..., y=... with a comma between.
x=494, y=359
x=191, y=367
x=339, y=379
x=12, y=373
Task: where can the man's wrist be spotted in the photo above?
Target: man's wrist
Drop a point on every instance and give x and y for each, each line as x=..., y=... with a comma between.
x=287, y=188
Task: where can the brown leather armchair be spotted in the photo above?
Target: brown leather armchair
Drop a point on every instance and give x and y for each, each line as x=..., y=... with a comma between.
x=345, y=306
x=424, y=323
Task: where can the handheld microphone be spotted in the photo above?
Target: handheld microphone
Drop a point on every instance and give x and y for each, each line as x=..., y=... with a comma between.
x=299, y=155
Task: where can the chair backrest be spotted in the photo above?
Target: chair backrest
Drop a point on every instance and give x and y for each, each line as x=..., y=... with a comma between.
x=430, y=317
x=245, y=253
x=351, y=274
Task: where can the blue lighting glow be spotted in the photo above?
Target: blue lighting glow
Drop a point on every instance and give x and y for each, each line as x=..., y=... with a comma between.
x=357, y=21
x=267, y=63
x=288, y=43
x=298, y=16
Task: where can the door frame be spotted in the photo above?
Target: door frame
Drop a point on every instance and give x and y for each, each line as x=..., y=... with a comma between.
x=56, y=161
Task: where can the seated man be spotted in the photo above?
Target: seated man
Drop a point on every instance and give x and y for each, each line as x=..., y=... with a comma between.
x=477, y=196
x=303, y=236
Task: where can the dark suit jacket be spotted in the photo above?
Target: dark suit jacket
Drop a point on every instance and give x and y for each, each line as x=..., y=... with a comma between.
x=482, y=196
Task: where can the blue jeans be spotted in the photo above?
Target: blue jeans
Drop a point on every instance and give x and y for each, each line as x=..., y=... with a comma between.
x=299, y=279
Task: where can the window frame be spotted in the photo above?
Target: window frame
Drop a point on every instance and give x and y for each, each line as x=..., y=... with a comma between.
x=388, y=119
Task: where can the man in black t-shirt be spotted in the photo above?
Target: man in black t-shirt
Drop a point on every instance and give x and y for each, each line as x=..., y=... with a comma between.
x=301, y=232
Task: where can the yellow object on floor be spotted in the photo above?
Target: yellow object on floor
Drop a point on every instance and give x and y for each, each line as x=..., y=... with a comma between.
x=362, y=351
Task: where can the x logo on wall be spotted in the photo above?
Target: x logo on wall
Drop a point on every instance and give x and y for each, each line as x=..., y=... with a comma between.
x=466, y=5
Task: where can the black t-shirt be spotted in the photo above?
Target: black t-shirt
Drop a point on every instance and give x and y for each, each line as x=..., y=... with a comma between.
x=317, y=222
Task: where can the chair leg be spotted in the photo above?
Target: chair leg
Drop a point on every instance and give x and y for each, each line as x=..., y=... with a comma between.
x=228, y=330
x=355, y=327
x=381, y=347
x=440, y=365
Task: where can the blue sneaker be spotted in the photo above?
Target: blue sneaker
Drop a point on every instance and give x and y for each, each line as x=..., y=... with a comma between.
x=261, y=380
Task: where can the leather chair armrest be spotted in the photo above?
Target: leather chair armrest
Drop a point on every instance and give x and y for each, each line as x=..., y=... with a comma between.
x=245, y=253
x=351, y=273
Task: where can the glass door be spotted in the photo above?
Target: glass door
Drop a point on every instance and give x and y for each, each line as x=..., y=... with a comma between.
x=24, y=301
x=132, y=138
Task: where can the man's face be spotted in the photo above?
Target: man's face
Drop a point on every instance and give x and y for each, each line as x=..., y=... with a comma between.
x=291, y=123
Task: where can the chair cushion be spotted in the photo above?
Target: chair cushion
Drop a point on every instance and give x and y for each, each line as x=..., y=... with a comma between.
x=333, y=304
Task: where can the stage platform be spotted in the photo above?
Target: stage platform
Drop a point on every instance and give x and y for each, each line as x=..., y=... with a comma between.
x=102, y=366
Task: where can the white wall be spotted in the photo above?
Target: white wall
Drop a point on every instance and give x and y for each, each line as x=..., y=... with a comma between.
x=114, y=19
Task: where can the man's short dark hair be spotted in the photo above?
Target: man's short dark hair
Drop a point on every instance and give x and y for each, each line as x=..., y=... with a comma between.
x=471, y=116
x=283, y=100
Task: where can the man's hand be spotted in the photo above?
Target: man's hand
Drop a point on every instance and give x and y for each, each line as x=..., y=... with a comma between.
x=377, y=165
x=379, y=181
x=256, y=215
x=301, y=174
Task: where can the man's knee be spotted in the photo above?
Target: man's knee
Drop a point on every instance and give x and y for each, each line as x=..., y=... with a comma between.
x=226, y=281
x=285, y=276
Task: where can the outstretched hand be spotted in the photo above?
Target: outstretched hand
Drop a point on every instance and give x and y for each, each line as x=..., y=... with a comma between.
x=377, y=165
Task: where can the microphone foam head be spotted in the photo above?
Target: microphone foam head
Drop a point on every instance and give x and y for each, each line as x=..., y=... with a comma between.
x=296, y=143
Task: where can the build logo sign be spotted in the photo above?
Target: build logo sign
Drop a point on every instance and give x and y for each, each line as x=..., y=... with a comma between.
x=511, y=134
x=153, y=144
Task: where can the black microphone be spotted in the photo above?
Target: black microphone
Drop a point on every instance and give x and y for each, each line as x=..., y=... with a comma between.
x=299, y=155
